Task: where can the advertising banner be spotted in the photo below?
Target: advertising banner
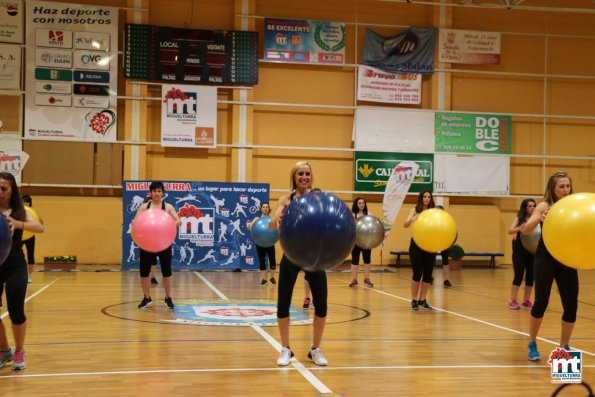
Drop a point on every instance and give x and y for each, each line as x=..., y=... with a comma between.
x=411, y=51
x=467, y=46
x=11, y=21
x=289, y=40
x=71, y=75
x=10, y=67
x=473, y=133
x=188, y=116
x=377, y=85
x=374, y=169
x=213, y=234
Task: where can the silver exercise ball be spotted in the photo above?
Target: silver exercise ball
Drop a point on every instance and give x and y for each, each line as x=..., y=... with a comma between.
x=369, y=232
x=531, y=240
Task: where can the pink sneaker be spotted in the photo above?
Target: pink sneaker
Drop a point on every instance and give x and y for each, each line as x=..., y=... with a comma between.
x=514, y=305
x=527, y=304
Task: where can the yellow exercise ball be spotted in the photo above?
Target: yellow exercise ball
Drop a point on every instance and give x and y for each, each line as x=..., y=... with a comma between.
x=569, y=230
x=27, y=234
x=434, y=230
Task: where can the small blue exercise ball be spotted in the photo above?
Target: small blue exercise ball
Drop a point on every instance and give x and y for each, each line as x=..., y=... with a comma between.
x=317, y=231
x=261, y=235
x=5, y=239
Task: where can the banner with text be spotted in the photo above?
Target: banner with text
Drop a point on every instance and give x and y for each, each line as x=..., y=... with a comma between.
x=467, y=46
x=188, y=116
x=411, y=51
x=473, y=133
x=11, y=21
x=71, y=75
x=10, y=67
x=213, y=234
x=377, y=85
x=288, y=40
x=373, y=170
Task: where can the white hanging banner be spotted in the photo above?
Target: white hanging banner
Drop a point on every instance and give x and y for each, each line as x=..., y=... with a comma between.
x=12, y=161
x=397, y=187
x=71, y=76
x=188, y=116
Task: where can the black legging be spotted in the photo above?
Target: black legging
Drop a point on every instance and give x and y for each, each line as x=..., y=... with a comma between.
x=288, y=274
x=355, y=255
x=30, y=247
x=148, y=259
x=522, y=263
x=263, y=252
x=13, y=278
x=422, y=263
x=548, y=269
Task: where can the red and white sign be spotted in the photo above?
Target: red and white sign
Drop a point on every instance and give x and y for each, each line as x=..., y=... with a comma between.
x=467, y=46
x=377, y=85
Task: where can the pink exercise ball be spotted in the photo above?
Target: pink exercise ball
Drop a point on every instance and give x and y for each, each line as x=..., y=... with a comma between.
x=154, y=230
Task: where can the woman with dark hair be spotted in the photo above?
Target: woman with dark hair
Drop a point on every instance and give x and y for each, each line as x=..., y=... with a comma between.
x=13, y=271
x=422, y=262
x=522, y=260
x=359, y=209
x=148, y=259
x=263, y=252
x=547, y=269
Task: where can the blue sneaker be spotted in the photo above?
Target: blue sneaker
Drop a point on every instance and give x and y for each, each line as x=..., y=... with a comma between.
x=567, y=348
x=533, y=353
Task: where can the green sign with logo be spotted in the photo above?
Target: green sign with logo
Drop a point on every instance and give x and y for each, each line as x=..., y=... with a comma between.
x=53, y=74
x=372, y=170
x=473, y=133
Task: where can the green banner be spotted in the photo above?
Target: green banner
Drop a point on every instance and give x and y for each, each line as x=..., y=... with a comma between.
x=53, y=74
x=372, y=170
x=473, y=133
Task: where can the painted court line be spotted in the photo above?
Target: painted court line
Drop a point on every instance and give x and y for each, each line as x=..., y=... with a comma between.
x=274, y=369
x=33, y=295
x=305, y=372
x=480, y=321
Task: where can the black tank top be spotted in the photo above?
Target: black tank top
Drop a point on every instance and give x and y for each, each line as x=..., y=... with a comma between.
x=162, y=205
x=15, y=256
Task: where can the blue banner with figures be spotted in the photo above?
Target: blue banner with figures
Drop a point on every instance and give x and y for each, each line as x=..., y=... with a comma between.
x=409, y=52
x=213, y=234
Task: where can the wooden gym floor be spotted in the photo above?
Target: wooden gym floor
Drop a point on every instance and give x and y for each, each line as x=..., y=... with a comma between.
x=86, y=337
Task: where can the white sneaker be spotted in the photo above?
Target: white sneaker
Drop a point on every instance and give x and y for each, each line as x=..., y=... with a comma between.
x=29, y=280
x=317, y=356
x=285, y=356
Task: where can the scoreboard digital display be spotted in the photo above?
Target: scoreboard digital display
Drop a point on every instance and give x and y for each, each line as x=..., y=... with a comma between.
x=190, y=56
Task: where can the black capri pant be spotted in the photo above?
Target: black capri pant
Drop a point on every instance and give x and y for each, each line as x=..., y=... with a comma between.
x=263, y=252
x=14, y=280
x=148, y=259
x=288, y=274
x=522, y=263
x=422, y=263
x=355, y=255
x=547, y=269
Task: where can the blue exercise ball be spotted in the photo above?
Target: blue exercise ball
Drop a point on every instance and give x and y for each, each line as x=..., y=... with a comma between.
x=317, y=231
x=5, y=239
x=261, y=235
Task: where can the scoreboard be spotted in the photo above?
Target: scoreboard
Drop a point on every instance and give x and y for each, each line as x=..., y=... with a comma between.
x=190, y=56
